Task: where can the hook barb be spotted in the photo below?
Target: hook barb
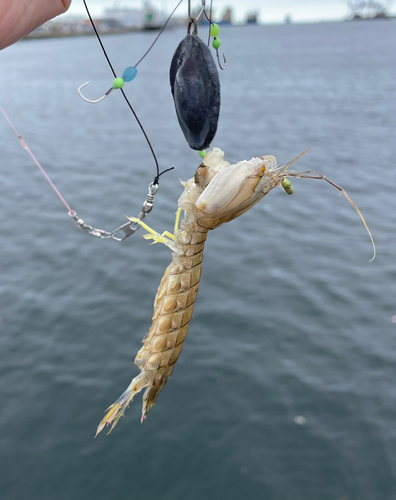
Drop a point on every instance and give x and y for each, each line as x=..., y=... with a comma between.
x=218, y=60
x=97, y=100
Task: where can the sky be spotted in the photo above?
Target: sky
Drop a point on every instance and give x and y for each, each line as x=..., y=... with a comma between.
x=270, y=11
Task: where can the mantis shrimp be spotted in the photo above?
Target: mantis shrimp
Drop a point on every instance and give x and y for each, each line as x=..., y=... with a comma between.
x=218, y=193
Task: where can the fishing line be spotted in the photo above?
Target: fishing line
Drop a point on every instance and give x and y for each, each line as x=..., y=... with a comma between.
x=209, y=19
x=159, y=34
x=156, y=178
x=25, y=146
x=128, y=228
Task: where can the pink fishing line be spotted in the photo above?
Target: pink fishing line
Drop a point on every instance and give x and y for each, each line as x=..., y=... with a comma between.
x=25, y=146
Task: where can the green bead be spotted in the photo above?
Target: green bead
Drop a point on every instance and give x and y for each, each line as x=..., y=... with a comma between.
x=287, y=186
x=118, y=83
x=202, y=153
x=216, y=43
x=214, y=30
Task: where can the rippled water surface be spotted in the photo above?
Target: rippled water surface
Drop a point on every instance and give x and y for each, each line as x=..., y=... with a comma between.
x=291, y=320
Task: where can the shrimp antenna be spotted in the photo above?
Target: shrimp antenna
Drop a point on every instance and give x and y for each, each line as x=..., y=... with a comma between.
x=310, y=174
x=282, y=169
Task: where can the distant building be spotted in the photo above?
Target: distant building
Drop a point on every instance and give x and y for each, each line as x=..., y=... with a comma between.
x=252, y=18
x=367, y=10
x=63, y=26
x=137, y=19
x=227, y=17
x=128, y=18
x=153, y=18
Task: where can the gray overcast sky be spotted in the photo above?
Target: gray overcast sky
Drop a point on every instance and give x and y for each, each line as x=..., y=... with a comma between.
x=270, y=10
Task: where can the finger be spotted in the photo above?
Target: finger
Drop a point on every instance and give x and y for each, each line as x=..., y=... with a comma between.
x=18, y=18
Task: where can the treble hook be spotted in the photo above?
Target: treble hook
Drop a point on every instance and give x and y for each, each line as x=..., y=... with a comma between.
x=218, y=60
x=97, y=100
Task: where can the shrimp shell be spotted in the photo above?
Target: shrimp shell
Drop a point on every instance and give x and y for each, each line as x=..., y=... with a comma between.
x=177, y=292
x=218, y=193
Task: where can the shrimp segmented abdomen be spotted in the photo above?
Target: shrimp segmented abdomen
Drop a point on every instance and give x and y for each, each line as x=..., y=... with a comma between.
x=173, y=309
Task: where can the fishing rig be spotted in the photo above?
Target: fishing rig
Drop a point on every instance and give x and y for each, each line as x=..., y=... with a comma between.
x=195, y=89
x=218, y=193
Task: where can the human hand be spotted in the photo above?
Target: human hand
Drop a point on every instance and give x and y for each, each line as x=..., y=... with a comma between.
x=18, y=18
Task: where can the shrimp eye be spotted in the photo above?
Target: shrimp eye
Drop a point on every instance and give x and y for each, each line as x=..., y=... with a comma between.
x=270, y=161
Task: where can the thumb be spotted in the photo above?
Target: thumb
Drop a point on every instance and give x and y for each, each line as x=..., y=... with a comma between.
x=18, y=18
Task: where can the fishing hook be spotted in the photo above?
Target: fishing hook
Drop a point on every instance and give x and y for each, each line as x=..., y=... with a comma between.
x=97, y=100
x=218, y=59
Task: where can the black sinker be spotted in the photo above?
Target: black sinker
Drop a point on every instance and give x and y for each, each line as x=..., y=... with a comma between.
x=196, y=91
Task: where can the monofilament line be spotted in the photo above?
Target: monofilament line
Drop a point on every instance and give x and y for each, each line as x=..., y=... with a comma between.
x=156, y=178
x=25, y=146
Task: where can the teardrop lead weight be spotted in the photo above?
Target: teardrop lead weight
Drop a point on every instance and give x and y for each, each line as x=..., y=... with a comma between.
x=129, y=73
x=195, y=88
